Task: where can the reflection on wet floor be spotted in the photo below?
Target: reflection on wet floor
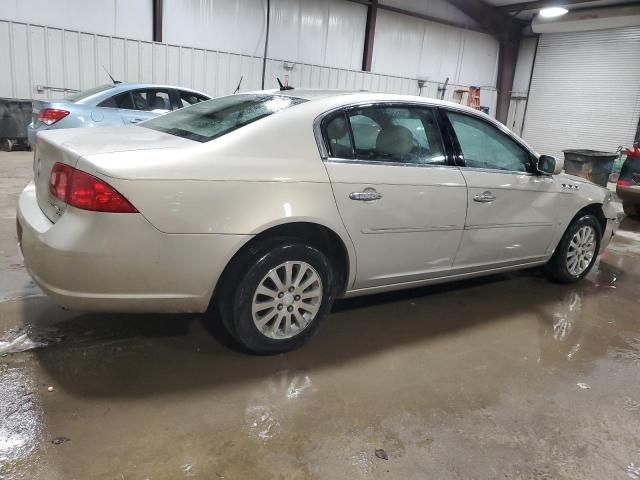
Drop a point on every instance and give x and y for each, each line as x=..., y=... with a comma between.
x=508, y=376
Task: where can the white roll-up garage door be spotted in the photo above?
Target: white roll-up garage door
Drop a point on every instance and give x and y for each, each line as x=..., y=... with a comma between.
x=585, y=91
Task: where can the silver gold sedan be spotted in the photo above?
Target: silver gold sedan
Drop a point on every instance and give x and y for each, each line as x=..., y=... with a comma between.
x=269, y=205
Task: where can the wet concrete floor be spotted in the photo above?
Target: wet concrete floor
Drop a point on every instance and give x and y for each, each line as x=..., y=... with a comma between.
x=505, y=377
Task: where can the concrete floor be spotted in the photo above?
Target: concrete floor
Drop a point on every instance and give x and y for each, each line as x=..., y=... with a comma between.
x=505, y=377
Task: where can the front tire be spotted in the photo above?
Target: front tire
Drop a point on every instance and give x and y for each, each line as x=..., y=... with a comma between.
x=282, y=292
x=577, y=251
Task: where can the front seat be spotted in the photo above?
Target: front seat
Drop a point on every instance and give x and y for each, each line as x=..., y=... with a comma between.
x=160, y=103
x=395, y=143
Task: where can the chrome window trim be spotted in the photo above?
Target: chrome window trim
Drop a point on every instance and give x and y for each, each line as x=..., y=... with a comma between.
x=495, y=170
x=324, y=153
x=387, y=164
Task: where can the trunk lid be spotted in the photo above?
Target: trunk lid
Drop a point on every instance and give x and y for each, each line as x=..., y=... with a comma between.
x=68, y=145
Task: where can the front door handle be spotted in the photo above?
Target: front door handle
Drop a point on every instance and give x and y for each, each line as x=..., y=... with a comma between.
x=135, y=120
x=368, y=195
x=484, y=197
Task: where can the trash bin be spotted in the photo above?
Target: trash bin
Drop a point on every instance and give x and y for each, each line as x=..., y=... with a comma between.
x=590, y=164
x=15, y=115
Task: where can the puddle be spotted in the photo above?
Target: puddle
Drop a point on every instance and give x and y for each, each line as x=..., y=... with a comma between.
x=274, y=402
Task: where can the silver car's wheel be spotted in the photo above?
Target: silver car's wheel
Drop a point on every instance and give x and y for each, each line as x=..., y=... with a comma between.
x=287, y=300
x=582, y=248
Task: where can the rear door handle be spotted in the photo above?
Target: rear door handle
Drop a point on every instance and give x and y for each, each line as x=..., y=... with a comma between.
x=136, y=120
x=484, y=197
x=367, y=195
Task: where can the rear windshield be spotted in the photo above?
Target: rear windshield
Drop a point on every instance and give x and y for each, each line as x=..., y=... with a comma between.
x=212, y=119
x=76, y=97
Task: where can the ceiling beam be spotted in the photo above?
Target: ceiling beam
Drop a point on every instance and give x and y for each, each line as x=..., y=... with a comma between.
x=501, y=25
x=422, y=16
x=535, y=5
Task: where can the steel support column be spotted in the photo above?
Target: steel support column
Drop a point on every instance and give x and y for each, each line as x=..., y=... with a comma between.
x=507, y=58
x=157, y=20
x=369, y=35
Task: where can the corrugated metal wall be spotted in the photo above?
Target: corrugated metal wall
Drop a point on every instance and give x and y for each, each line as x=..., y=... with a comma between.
x=418, y=48
x=45, y=62
x=585, y=91
x=120, y=18
x=323, y=32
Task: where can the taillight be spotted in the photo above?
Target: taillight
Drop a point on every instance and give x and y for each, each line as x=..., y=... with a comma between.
x=623, y=182
x=49, y=116
x=81, y=190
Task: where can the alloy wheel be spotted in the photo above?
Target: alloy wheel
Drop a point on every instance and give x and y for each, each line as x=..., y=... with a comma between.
x=287, y=300
x=581, y=251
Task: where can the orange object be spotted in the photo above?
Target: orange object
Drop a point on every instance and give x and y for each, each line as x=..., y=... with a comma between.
x=474, y=97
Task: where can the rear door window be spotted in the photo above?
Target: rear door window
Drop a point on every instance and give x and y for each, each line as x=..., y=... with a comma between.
x=122, y=100
x=397, y=134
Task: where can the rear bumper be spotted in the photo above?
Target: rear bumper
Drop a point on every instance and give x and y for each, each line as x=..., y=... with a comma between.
x=609, y=232
x=119, y=262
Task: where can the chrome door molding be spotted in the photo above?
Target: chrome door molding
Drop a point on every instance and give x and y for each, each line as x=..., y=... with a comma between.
x=388, y=164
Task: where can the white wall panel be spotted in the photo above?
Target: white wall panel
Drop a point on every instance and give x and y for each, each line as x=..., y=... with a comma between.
x=414, y=47
x=230, y=25
x=46, y=62
x=122, y=18
x=324, y=32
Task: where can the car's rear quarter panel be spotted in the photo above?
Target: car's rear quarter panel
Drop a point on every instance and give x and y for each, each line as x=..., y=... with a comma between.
x=265, y=174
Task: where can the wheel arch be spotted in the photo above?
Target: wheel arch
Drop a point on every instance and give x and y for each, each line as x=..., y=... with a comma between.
x=594, y=209
x=339, y=250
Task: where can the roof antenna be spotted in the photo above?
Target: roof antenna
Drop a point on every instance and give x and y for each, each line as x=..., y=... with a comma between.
x=115, y=82
x=284, y=87
x=238, y=87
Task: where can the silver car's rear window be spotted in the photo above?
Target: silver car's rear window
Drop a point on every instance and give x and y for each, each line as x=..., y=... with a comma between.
x=212, y=119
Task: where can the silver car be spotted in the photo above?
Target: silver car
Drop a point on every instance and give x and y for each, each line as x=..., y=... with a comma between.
x=110, y=106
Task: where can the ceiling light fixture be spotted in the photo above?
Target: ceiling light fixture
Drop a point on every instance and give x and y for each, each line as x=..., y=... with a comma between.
x=551, y=12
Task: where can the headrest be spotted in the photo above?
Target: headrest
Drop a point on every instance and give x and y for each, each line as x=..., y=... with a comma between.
x=394, y=140
x=337, y=128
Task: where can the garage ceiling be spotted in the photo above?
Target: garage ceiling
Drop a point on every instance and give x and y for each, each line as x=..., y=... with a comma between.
x=527, y=10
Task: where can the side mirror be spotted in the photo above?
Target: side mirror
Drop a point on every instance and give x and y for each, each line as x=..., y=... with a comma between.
x=550, y=165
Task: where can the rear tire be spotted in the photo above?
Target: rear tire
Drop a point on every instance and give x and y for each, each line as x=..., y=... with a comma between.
x=631, y=209
x=275, y=295
x=577, y=251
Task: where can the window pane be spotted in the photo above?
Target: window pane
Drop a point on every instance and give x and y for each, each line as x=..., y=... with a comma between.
x=397, y=134
x=188, y=98
x=150, y=100
x=212, y=119
x=122, y=100
x=484, y=146
x=338, y=138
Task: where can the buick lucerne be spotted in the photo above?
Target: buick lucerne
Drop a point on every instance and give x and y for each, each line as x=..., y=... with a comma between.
x=269, y=205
